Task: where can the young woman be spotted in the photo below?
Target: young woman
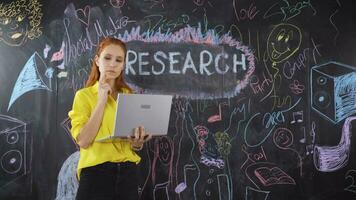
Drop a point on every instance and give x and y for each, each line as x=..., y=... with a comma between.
x=105, y=170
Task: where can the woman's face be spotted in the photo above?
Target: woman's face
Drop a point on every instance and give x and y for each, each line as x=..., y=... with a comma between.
x=111, y=61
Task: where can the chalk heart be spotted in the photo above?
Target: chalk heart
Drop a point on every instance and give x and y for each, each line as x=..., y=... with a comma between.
x=117, y=3
x=83, y=15
x=199, y=2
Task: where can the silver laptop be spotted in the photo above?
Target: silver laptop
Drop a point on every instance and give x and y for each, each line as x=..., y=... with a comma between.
x=134, y=110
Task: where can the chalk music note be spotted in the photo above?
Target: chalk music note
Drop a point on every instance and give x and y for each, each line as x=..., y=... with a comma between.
x=297, y=117
x=216, y=117
x=303, y=140
x=309, y=149
x=312, y=132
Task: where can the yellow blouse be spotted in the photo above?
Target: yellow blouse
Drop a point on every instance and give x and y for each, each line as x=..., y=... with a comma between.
x=98, y=152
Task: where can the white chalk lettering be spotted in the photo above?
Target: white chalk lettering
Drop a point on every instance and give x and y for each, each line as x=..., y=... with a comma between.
x=162, y=54
x=205, y=63
x=142, y=63
x=129, y=62
x=217, y=63
x=172, y=61
x=236, y=62
x=189, y=64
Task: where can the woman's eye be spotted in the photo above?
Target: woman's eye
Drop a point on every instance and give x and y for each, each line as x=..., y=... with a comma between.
x=107, y=58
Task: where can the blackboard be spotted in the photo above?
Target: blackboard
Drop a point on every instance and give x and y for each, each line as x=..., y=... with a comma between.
x=264, y=95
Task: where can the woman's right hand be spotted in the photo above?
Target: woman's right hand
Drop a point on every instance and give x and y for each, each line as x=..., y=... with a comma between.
x=91, y=128
x=104, y=89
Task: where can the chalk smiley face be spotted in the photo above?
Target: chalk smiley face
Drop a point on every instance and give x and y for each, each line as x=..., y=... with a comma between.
x=283, y=41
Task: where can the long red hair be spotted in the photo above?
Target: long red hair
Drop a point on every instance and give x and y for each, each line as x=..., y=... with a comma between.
x=95, y=73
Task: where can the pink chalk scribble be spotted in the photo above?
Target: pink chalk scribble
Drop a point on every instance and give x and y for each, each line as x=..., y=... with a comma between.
x=57, y=56
x=296, y=87
x=214, y=118
x=217, y=117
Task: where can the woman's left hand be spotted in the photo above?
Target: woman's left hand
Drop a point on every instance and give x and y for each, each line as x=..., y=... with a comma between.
x=139, y=138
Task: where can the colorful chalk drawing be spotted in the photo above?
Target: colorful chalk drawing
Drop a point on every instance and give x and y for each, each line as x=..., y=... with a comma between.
x=20, y=20
x=333, y=158
x=67, y=178
x=34, y=76
x=283, y=41
x=265, y=174
x=15, y=150
x=333, y=90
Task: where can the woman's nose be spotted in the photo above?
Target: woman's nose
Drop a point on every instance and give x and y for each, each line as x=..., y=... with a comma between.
x=112, y=65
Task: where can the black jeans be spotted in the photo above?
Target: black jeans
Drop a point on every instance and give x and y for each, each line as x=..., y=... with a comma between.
x=109, y=181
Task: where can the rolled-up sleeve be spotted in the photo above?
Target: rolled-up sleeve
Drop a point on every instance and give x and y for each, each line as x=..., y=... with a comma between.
x=79, y=114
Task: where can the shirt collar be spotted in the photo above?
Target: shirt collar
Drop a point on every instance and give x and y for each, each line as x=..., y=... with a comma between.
x=95, y=87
